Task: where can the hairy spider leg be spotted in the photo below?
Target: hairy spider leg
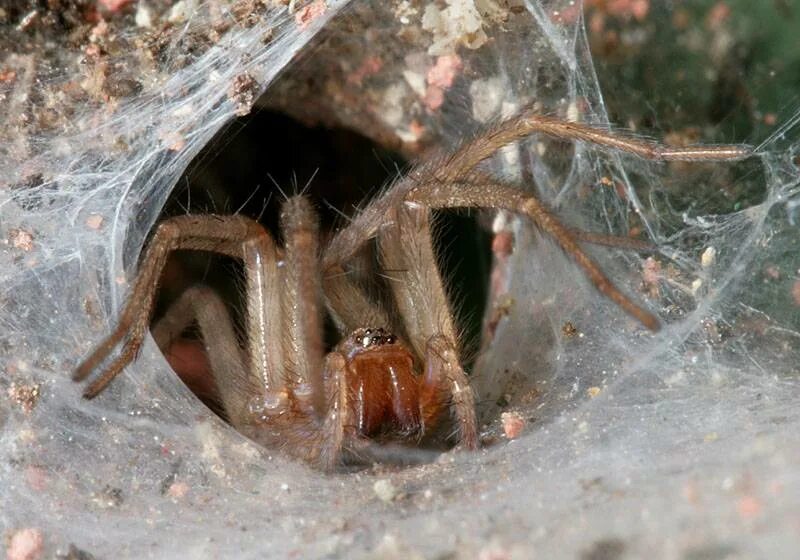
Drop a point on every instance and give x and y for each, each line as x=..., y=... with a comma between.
x=499, y=196
x=267, y=376
x=305, y=394
x=349, y=305
x=457, y=170
x=311, y=416
x=408, y=258
x=203, y=305
x=301, y=299
x=266, y=357
x=460, y=166
x=237, y=380
x=218, y=234
x=529, y=122
x=331, y=436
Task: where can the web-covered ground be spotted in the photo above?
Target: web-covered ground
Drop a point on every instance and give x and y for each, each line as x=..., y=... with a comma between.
x=683, y=444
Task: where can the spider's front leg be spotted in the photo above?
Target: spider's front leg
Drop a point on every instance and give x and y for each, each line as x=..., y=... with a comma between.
x=327, y=449
x=315, y=419
x=301, y=302
x=456, y=165
x=452, y=181
x=408, y=258
x=229, y=235
x=444, y=383
x=497, y=195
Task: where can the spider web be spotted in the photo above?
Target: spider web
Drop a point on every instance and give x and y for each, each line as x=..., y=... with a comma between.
x=684, y=441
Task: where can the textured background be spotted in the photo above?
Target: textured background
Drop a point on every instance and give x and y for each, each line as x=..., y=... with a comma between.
x=679, y=445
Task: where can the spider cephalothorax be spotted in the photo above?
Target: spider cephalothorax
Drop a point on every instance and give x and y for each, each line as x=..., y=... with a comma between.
x=279, y=386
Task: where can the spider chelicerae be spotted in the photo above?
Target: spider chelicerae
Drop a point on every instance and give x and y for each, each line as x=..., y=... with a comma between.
x=394, y=376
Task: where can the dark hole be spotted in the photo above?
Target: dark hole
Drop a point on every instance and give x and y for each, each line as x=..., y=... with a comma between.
x=245, y=168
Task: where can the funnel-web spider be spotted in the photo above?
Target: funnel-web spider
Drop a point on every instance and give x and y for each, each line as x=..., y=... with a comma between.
x=390, y=377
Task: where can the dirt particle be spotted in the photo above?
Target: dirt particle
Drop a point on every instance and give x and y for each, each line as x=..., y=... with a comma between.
x=718, y=15
x=7, y=76
x=593, y=391
x=178, y=12
x=434, y=98
x=178, y=490
x=772, y=272
x=243, y=93
x=143, y=17
x=21, y=239
x=25, y=396
x=307, y=14
x=25, y=544
x=569, y=330
x=513, y=424
x=443, y=73
x=748, y=507
x=113, y=5
x=94, y=221
x=385, y=490
x=174, y=141
x=708, y=258
x=28, y=21
x=651, y=276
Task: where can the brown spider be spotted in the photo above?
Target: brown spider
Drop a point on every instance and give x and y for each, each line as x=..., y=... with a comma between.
x=282, y=389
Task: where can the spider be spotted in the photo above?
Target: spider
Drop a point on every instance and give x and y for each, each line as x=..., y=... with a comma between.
x=394, y=376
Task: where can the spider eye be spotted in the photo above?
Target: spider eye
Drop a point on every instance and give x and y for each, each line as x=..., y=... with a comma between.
x=373, y=337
